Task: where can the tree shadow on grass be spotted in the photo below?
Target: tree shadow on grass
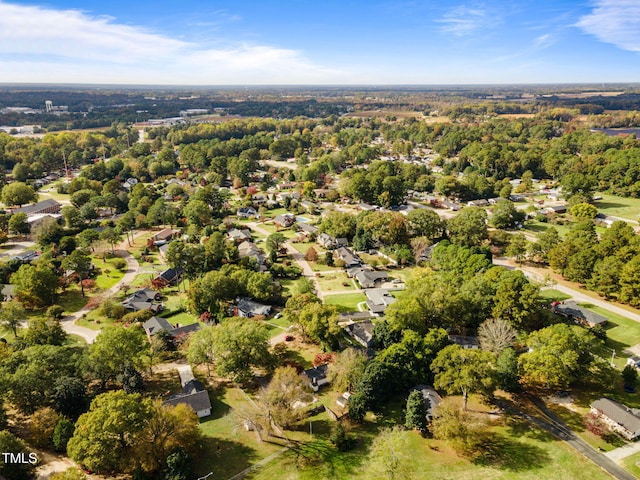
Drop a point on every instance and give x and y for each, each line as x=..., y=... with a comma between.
x=223, y=457
x=521, y=428
x=501, y=452
x=325, y=459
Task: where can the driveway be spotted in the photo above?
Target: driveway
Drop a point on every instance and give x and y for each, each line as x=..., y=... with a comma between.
x=133, y=268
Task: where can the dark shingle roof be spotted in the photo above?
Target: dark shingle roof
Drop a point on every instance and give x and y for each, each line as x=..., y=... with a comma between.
x=618, y=413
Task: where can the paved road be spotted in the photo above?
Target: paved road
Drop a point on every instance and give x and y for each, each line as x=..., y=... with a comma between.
x=133, y=267
x=538, y=274
x=559, y=429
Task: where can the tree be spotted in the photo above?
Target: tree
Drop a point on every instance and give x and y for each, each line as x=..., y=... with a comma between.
x=275, y=241
x=207, y=294
x=71, y=473
x=516, y=300
x=425, y=223
x=338, y=224
x=112, y=237
x=200, y=347
x=114, y=348
x=463, y=429
x=583, y=211
x=70, y=396
x=168, y=429
x=416, y=416
x=179, y=466
x=630, y=375
x=517, y=247
x=43, y=331
x=31, y=374
x=239, y=345
x=464, y=371
x=72, y=216
x=12, y=315
x=106, y=437
x=320, y=323
x=35, y=285
x=630, y=282
x=311, y=255
x=18, y=224
x=347, y=369
x=558, y=356
x=280, y=396
x=80, y=262
x=495, y=335
x=198, y=213
x=506, y=215
x=469, y=227
x=62, y=433
x=42, y=425
x=16, y=470
x=388, y=455
x=17, y=193
x=87, y=238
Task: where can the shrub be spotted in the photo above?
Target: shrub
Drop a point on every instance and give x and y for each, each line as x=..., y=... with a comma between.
x=62, y=432
x=119, y=263
x=112, y=310
x=140, y=316
x=89, y=283
x=339, y=437
x=55, y=311
x=322, y=358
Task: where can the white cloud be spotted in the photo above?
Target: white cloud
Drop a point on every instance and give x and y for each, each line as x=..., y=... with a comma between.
x=464, y=20
x=40, y=44
x=543, y=41
x=616, y=22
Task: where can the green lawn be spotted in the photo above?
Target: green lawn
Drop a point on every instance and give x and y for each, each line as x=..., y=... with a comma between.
x=519, y=452
x=109, y=276
x=539, y=227
x=554, y=295
x=321, y=267
x=346, y=302
x=623, y=207
x=71, y=299
x=305, y=246
x=335, y=281
x=632, y=464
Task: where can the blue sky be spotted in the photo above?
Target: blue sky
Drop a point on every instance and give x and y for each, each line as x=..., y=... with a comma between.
x=237, y=42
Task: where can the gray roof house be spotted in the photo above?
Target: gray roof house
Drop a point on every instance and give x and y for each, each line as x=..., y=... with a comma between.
x=362, y=332
x=249, y=249
x=239, y=236
x=618, y=417
x=143, y=299
x=430, y=397
x=368, y=278
x=575, y=312
x=307, y=228
x=157, y=324
x=248, y=308
x=193, y=393
x=378, y=299
x=285, y=220
x=317, y=376
x=247, y=212
x=45, y=206
x=349, y=258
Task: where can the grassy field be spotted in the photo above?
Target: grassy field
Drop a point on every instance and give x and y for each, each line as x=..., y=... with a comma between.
x=554, y=295
x=539, y=227
x=632, y=464
x=335, y=281
x=346, y=302
x=519, y=452
x=623, y=207
x=303, y=247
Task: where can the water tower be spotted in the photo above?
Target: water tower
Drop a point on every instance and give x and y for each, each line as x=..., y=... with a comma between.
x=48, y=106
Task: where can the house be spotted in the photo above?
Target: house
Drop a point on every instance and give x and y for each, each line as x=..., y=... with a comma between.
x=578, y=314
x=157, y=324
x=130, y=183
x=162, y=250
x=239, y=236
x=249, y=250
x=46, y=206
x=368, y=278
x=326, y=241
x=558, y=209
x=169, y=277
x=290, y=195
x=362, y=332
x=354, y=317
x=618, y=417
x=478, y=203
x=143, y=299
x=378, y=299
x=349, y=258
x=495, y=200
x=193, y=393
x=309, y=206
x=365, y=207
x=160, y=238
x=430, y=397
x=310, y=230
x=248, y=308
x=285, y=220
x=247, y=212
x=454, y=206
x=465, y=342
x=317, y=376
